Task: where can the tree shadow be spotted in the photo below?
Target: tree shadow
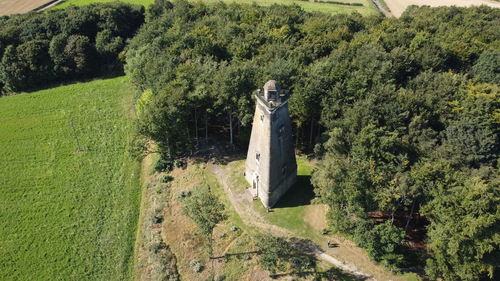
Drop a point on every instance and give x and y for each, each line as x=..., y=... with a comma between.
x=300, y=194
x=330, y=274
x=215, y=151
x=243, y=255
x=335, y=273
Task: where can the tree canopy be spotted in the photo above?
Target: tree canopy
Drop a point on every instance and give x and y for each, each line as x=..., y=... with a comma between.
x=75, y=43
x=403, y=114
x=394, y=108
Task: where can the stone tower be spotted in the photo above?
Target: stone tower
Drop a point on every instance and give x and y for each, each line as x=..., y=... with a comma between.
x=270, y=167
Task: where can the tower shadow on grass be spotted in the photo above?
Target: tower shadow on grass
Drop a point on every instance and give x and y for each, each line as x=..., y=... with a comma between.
x=300, y=194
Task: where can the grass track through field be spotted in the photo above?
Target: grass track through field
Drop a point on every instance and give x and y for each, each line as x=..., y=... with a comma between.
x=68, y=215
x=367, y=9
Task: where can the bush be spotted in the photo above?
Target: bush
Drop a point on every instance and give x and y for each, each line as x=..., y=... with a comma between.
x=163, y=165
x=184, y=194
x=179, y=163
x=166, y=178
x=196, y=266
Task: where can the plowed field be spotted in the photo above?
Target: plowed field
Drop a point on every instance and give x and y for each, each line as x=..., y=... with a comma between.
x=399, y=6
x=8, y=7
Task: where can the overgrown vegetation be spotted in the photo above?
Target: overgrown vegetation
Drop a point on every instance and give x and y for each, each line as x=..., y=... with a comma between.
x=276, y=254
x=70, y=192
x=403, y=112
x=154, y=258
x=40, y=49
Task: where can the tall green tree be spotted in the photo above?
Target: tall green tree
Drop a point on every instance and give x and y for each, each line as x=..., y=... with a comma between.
x=464, y=231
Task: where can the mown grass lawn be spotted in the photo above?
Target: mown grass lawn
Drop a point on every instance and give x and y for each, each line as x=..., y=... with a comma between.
x=289, y=211
x=367, y=9
x=68, y=214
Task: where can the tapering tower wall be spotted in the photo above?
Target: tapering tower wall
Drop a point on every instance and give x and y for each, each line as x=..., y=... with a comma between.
x=271, y=167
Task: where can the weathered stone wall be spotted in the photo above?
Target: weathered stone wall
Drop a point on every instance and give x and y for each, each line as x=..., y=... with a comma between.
x=271, y=167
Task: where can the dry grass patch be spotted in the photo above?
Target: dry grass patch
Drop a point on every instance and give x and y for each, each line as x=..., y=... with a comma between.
x=233, y=249
x=315, y=216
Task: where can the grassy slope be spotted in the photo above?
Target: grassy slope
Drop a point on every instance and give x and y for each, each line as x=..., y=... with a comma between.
x=367, y=9
x=67, y=215
x=295, y=213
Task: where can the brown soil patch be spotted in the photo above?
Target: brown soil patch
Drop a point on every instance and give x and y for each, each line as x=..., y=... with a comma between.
x=399, y=6
x=8, y=7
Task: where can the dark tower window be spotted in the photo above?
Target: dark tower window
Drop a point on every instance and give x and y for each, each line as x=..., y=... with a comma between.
x=271, y=95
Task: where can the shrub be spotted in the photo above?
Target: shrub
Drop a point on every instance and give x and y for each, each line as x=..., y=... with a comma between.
x=196, y=266
x=179, y=163
x=163, y=165
x=166, y=178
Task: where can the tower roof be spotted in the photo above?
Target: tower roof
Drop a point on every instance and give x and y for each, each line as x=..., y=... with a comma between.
x=272, y=85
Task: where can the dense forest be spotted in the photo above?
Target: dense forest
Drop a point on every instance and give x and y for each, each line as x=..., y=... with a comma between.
x=403, y=113
x=40, y=49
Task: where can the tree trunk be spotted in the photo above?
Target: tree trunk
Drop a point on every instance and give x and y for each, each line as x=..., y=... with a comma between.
x=297, y=137
x=311, y=133
x=206, y=125
x=302, y=137
x=196, y=125
x=230, y=128
x=169, y=149
x=411, y=215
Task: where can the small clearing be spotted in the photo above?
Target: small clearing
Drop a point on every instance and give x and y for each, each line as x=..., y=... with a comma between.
x=300, y=221
x=399, y=6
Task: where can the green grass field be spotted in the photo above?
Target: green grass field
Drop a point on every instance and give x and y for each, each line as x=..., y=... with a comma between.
x=86, y=2
x=68, y=214
x=367, y=9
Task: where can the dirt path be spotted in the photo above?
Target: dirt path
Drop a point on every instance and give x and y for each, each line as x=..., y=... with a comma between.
x=381, y=8
x=399, y=6
x=245, y=211
x=253, y=218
